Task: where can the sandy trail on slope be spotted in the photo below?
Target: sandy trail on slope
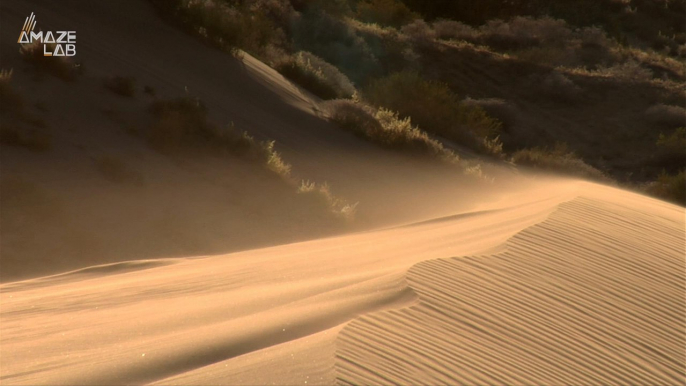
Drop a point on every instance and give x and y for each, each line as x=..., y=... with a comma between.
x=577, y=283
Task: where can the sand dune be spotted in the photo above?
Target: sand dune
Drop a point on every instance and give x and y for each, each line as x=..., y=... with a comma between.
x=592, y=295
x=581, y=285
x=529, y=280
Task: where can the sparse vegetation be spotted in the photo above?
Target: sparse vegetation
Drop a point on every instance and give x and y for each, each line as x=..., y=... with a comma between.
x=573, y=68
x=669, y=187
x=117, y=171
x=386, y=128
x=121, y=85
x=434, y=108
x=558, y=159
x=391, y=13
x=58, y=66
x=182, y=124
x=338, y=206
x=315, y=75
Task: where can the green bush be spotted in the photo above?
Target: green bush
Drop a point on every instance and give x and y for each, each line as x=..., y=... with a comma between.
x=316, y=75
x=335, y=41
x=391, y=13
x=433, y=107
x=182, y=123
x=386, y=129
x=558, y=159
x=232, y=25
x=669, y=187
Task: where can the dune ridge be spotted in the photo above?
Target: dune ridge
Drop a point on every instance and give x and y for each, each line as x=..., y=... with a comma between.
x=592, y=295
x=580, y=285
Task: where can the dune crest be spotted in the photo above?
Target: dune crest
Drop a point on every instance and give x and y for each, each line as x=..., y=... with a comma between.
x=592, y=295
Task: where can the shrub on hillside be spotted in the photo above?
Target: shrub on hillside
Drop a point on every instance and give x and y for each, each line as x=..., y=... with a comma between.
x=558, y=159
x=669, y=187
x=251, y=26
x=433, y=107
x=630, y=71
x=182, y=123
x=386, y=129
x=450, y=29
x=419, y=32
x=391, y=13
x=58, y=66
x=671, y=154
x=338, y=206
x=316, y=75
x=335, y=41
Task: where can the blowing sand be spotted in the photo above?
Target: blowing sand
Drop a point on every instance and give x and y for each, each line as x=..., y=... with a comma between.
x=575, y=284
x=537, y=281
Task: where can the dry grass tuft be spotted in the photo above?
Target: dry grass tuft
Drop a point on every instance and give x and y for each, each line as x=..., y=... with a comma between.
x=386, y=129
x=434, y=108
x=316, y=75
x=558, y=159
x=338, y=206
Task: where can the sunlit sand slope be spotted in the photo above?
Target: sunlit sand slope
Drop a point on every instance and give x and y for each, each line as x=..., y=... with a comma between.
x=593, y=295
x=572, y=283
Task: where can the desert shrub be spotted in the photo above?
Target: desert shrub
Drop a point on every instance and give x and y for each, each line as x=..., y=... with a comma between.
x=500, y=109
x=558, y=159
x=666, y=116
x=316, y=76
x=32, y=140
x=450, y=29
x=522, y=32
x=419, y=32
x=121, y=85
x=671, y=154
x=386, y=129
x=669, y=187
x=58, y=66
x=273, y=159
x=676, y=140
x=555, y=86
x=433, y=107
x=391, y=13
x=630, y=71
x=338, y=206
x=182, y=123
x=232, y=25
x=117, y=171
x=336, y=42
